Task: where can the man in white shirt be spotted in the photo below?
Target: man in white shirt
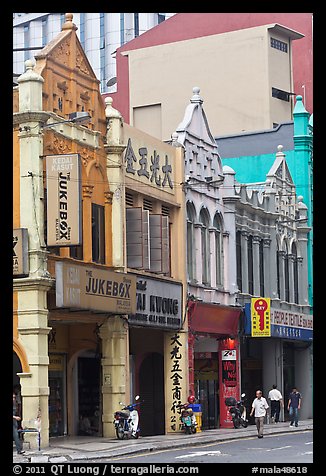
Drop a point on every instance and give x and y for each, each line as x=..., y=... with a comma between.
x=276, y=399
x=259, y=406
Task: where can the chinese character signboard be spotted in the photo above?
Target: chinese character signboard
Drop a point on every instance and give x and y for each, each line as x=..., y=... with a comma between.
x=63, y=182
x=149, y=161
x=176, y=378
x=260, y=317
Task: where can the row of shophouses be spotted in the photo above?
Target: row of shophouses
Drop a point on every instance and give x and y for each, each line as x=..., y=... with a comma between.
x=145, y=267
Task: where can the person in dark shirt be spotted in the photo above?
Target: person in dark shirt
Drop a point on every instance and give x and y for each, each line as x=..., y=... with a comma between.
x=294, y=405
x=15, y=419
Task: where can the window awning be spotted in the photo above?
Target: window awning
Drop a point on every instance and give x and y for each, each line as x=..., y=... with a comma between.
x=214, y=319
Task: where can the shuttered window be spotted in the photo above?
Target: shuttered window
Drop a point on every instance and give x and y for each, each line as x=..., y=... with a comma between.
x=137, y=228
x=148, y=241
x=159, y=244
x=98, y=234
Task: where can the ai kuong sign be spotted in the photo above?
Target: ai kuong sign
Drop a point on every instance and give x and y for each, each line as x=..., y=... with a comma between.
x=63, y=181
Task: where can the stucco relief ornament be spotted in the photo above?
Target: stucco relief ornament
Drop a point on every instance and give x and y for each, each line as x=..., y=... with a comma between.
x=80, y=63
x=84, y=154
x=59, y=146
x=62, y=53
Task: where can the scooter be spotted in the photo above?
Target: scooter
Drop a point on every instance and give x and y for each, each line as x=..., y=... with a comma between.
x=188, y=419
x=238, y=411
x=126, y=422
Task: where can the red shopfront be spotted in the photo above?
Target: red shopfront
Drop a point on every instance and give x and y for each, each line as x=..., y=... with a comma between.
x=214, y=361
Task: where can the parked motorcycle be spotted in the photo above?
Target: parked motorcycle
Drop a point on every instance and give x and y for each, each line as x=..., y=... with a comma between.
x=126, y=421
x=188, y=419
x=238, y=411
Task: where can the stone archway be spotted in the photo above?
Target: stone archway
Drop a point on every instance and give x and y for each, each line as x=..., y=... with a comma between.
x=21, y=355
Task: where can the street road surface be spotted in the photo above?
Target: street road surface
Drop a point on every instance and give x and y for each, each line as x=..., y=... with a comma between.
x=287, y=448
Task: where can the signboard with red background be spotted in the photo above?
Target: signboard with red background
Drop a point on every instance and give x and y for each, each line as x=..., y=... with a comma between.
x=229, y=373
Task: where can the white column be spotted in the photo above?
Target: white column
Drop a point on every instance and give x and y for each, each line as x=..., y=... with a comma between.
x=244, y=261
x=32, y=291
x=256, y=264
x=114, y=150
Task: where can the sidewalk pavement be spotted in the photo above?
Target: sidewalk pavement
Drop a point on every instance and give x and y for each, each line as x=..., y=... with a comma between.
x=83, y=448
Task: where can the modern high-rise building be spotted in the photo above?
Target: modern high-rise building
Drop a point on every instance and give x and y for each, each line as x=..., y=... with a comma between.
x=99, y=33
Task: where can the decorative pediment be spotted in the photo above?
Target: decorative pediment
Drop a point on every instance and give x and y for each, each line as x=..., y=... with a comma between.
x=61, y=53
x=82, y=62
x=65, y=49
x=280, y=169
x=202, y=155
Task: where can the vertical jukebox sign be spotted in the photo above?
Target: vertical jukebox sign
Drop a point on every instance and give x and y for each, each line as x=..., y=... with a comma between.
x=63, y=181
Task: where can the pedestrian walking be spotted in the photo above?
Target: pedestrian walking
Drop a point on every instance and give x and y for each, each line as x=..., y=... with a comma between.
x=16, y=419
x=294, y=405
x=276, y=400
x=259, y=406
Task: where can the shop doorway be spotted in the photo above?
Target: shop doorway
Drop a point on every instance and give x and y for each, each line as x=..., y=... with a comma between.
x=17, y=368
x=57, y=396
x=89, y=397
x=151, y=390
x=206, y=388
x=288, y=373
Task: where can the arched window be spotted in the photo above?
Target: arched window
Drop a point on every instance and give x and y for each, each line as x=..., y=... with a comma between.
x=278, y=273
x=261, y=268
x=191, y=254
x=218, y=235
x=295, y=273
x=239, y=260
x=286, y=276
x=205, y=248
x=250, y=267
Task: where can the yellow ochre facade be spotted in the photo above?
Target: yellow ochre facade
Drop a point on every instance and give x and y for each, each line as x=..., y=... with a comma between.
x=74, y=355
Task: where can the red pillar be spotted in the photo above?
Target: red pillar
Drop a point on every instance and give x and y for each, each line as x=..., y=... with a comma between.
x=229, y=377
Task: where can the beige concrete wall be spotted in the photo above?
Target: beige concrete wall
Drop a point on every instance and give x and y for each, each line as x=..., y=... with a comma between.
x=231, y=69
x=280, y=77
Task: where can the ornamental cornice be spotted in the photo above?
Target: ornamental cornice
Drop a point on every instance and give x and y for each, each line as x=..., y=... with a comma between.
x=114, y=149
x=33, y=284
x=29, y=116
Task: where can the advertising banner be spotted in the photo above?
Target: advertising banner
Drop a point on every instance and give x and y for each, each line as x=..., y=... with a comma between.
x=260, y=317
x=158, y=304
x=64, y=211
x=88, y=287
x=285, y=324
x=229, y=367
x=229, y=378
